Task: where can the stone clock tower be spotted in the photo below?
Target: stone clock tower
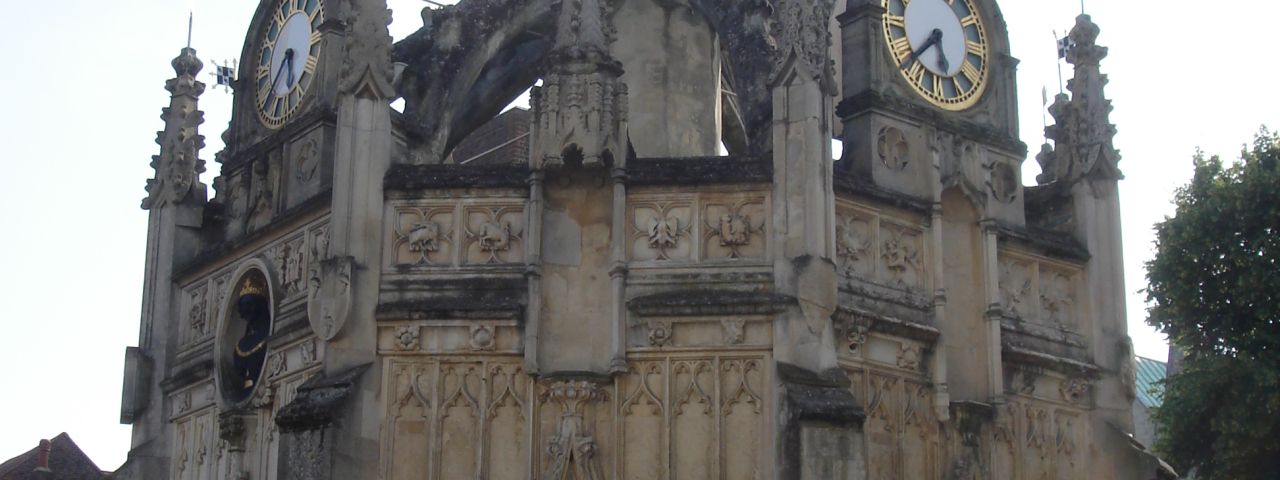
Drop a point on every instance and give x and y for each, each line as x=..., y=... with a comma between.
x=585, y=289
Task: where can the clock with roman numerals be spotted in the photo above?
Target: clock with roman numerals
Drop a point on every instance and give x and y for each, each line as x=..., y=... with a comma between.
x=289, y=57
x=940, y=48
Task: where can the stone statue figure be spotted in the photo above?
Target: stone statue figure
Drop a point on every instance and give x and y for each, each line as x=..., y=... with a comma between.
x=254, y=308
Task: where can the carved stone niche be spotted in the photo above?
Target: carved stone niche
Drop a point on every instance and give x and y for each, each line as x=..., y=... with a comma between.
x=246, y=325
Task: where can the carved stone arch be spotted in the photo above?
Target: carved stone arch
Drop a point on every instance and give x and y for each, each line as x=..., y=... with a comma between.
x=468, y=62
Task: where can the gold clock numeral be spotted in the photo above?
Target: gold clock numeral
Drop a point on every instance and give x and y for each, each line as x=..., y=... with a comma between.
x=312, y=63
x=916, y=72
x=895, y=20
x=901, y=48
x=905, y=2
x=975, y=48
x=316, y=36
x=937, y=86
x=969, y=21
x=960, y=90
x=971, y=72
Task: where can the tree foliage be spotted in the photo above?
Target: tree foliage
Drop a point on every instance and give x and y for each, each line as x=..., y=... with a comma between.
x=1215, y=291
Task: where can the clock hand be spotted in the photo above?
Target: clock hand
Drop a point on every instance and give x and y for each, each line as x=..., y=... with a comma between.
x=288, y=57
x=935, y=38
x=276, y=81
x=943, y=65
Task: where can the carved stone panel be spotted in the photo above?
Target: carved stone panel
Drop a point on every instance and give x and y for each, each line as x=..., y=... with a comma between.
x=424, y=235
x=1038, y=291
x=494, y=234
x=878, y=248
x=451, y=233
x=662, y=230
x=677, y=416
x=697, y=227
x=734, y=229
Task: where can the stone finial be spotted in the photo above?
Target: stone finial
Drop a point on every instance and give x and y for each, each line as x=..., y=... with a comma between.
x=186, y=63
x=178, y=166
x=367, y=68
x=1082, y=131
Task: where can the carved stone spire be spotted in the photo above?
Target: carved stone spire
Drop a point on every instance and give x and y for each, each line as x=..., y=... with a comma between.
x=367, y=67
x=581, y=109
x=178, y=165
x=1082, y=131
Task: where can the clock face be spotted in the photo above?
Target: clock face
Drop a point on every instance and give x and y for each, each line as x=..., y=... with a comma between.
x=940, y=47
x=290, y=55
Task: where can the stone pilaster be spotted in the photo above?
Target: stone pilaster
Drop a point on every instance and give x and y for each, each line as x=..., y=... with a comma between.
x=578, y=155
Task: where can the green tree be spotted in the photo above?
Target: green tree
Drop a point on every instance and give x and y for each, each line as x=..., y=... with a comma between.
x=1215, y=291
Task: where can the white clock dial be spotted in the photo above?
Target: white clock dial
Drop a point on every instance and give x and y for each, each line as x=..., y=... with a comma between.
x=925, y=16
x=289, y=58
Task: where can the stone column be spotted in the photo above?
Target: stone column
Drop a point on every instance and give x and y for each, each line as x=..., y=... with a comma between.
x=175, y=202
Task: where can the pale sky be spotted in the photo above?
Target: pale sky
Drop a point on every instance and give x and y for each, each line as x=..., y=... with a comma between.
x=83, y=90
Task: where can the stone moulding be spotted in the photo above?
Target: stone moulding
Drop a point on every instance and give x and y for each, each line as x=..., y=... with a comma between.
x=439, y=176
x=452, y=308
x=1019, y=355
x=854, y=317
x=698, y=171
x=709, y=302
x=319, y=401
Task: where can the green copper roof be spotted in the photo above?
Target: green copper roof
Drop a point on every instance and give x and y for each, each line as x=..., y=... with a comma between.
x=1150, y=373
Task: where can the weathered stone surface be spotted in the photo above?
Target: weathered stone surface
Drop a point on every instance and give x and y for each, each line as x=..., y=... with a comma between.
x=614, y=301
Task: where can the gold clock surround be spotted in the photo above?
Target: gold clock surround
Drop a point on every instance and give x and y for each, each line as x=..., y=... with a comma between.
x=274, y=110
x=958, y=92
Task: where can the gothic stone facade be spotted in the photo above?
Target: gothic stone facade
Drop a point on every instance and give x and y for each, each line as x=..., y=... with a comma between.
x=621, y=301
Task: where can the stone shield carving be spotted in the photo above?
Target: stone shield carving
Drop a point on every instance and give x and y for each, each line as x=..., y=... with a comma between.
x=329, y=296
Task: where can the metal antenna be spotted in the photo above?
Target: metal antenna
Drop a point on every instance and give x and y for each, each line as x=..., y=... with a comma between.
x=191, y=23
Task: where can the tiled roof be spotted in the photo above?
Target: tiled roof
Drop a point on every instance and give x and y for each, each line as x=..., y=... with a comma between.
x=1149, y=386
x=66, y=461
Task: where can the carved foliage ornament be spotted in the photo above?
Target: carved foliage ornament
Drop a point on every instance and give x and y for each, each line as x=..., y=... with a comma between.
x=571, y=452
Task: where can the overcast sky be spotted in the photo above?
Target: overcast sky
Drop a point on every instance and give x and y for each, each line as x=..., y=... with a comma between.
x=83, y=88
